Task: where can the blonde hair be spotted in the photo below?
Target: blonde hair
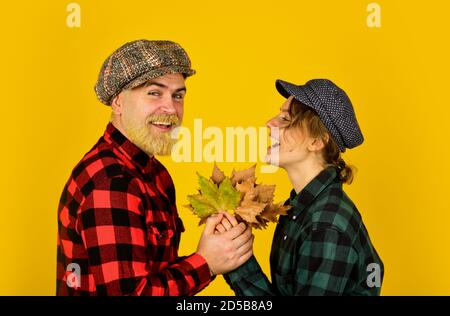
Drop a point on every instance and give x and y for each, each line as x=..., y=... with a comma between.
x=305, y=117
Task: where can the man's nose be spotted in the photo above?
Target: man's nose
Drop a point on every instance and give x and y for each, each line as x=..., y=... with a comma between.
x=169, y=105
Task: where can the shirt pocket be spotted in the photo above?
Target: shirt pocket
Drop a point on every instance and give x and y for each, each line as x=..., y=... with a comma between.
x=159, y=236
x=161, y=244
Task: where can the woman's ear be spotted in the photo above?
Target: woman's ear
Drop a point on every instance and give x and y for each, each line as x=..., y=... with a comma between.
x=316, y=144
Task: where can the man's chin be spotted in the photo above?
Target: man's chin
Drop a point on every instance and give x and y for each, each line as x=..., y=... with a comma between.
x=161, y=150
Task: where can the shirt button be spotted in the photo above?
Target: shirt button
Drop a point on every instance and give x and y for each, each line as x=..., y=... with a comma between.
x=294, y=217
x=285, y=237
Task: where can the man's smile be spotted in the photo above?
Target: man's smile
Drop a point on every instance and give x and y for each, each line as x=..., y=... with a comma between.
x=163, y=126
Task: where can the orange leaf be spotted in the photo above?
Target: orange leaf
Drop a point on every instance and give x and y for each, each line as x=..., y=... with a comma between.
x=269, y=213
x=248, y=210
x=217, y=175
x=282, y=209
x=242, y=175
x=265, y=193
x=248, y=189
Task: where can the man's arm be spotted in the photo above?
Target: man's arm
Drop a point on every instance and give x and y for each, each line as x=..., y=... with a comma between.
x=114, y=233
x=121, y=257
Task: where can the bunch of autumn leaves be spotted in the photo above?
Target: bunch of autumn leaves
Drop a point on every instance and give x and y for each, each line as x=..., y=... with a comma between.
x=250, y=202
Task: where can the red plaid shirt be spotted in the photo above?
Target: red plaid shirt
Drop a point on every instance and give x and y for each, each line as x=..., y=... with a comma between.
x=118, y=224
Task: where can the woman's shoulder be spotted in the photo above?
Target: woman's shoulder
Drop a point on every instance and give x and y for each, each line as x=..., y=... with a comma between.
x=335, y=210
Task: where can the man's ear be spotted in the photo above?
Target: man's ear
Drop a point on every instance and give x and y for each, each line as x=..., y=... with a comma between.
x=117, y=104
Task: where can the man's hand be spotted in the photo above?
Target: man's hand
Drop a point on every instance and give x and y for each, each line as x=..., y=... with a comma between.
x=226, y=251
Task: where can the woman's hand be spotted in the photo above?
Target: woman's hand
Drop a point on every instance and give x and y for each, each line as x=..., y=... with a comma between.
x=225, y=252
x=228, y=221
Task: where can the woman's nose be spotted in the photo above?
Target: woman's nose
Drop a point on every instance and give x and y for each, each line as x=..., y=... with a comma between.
x=271, y=123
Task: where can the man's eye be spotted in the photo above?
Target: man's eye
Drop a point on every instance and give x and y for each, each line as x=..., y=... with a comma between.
x=154, y=93
x=179, y=96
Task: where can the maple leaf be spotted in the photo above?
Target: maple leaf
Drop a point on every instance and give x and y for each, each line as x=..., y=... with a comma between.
x=229, y=196
x=261, y=223
x=213, y=198
x=247, y=188
x=269, y=214
x=248, y=210
x=251, y=202
x=282, y=209
x=265, y=193
x=208, y=190
x=272, y=210
x=217, y=175
x=242, y=175
x=200, y=205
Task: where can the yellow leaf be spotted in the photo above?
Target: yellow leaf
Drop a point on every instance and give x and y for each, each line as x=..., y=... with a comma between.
x=251, y=202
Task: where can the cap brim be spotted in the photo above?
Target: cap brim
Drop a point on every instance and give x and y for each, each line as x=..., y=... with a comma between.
x=158, y=73
x=283, y=87
x=287, y=89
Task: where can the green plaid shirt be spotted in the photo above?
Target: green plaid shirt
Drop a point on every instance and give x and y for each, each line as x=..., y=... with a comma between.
x=320, y=248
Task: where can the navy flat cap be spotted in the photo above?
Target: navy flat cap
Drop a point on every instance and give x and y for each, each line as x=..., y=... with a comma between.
x=333, y=107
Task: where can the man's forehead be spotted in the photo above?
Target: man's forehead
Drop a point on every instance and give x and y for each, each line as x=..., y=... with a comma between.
x=164, y=82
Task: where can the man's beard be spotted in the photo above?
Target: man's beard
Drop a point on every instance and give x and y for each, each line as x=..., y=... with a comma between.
x=148, y=140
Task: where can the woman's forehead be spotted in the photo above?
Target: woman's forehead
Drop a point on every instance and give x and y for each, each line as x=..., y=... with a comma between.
x=285, y=106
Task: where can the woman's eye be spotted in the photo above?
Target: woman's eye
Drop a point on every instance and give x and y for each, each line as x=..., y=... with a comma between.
x=285, y=119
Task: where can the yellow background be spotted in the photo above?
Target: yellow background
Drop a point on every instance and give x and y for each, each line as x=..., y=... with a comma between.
x=396, y=76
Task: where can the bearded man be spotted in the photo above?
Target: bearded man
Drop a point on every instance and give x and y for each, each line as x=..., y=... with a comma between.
x=118, y=225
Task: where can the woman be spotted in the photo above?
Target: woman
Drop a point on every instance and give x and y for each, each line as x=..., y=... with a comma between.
x=322, y=246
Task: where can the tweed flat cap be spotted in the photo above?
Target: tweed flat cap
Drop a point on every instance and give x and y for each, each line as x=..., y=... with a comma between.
x=137, y=62
x=333, y=107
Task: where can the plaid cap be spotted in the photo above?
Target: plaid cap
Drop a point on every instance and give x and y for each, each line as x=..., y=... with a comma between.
x=137, y=62
x=333, y=107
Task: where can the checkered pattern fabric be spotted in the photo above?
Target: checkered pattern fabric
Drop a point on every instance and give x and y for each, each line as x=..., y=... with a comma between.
x=117, y=220
x=320, y=248
x=137, y=62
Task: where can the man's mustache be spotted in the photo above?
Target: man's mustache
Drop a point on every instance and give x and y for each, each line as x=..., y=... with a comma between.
x=164, y=118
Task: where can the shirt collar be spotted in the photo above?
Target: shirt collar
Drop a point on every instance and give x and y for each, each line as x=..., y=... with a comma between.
x=137, y=156
x=309, y=193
